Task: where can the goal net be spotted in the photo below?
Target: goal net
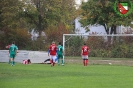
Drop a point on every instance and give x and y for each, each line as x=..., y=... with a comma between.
x=110, y=46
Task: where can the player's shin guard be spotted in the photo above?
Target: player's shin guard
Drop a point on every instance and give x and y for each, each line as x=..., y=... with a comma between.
x=86, y=62
x=51, y=61
x=58, y=61
x=12, y=62
x=62, y=61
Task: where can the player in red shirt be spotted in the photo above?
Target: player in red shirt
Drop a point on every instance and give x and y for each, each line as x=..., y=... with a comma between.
x=84, y=54
x=52, y=53
x=8, y=46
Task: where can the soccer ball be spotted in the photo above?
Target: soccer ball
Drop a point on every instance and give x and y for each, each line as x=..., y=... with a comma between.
x=110, y=63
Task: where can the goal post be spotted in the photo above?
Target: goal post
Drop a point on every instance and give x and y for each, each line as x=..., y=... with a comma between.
x=101, y=45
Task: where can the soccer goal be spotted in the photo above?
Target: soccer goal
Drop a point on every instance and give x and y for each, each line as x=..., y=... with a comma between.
x=101, y=45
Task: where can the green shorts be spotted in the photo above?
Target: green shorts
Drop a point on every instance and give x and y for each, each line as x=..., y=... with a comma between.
x=12, y=56
x=60, y=56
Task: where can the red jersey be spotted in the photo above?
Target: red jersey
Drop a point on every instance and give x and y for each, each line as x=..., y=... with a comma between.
x=53, y=49
x=8, y=46
x=85, y=50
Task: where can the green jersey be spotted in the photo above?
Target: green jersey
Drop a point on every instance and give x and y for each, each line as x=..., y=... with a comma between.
x=13, y=49
x=60, y=49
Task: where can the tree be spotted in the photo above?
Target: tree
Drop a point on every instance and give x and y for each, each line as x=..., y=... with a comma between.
x=101, y=12
x=9, y=14
x=11, y=23
x=42, y=14
x=95, y=12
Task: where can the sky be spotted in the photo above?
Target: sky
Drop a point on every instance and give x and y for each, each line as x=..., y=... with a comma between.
x=79, y=1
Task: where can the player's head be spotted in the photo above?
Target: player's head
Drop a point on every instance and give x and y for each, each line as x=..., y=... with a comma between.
x=59, y=43
x=53, y=42
x=84, y=43
x=13, y=42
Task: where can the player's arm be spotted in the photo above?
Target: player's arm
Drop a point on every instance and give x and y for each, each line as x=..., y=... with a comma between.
x=48, y=52
x=9, y=49
x=16, y=50
x=63, y=52
x=56, y=51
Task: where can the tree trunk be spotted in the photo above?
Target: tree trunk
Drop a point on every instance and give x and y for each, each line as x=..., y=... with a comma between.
x=113, y=30
x=106, y=28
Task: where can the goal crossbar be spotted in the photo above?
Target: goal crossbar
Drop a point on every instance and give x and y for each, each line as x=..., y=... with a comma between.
x=97, y=34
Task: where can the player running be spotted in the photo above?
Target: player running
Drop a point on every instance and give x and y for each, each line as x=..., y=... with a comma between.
x=60, y=53
x=52, y=53
x=84, y=54
x=13, y=50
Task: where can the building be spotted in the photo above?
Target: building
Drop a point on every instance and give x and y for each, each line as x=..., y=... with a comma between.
x=99, y=29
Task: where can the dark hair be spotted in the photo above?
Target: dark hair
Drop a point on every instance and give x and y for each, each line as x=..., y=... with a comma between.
x=59, y=43
x=84, y=43
x=13, y=42
x=29, y=61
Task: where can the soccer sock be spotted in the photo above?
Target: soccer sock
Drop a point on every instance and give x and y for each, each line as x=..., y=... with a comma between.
x=50, y=61
x=86, y=62
x=62, y=61
x=53, y=63
x=12, y=62
x=58, y=61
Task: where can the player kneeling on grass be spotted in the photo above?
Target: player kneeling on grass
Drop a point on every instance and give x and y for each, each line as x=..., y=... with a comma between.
x=84, y=54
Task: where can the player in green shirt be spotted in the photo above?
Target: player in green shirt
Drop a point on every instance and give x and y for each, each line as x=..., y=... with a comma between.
x=13, y=50
x=60, y=52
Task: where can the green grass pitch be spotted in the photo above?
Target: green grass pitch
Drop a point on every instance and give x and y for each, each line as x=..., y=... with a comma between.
x=68, y=76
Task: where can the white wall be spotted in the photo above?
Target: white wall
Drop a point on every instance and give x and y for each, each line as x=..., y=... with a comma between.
x=34, y=56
